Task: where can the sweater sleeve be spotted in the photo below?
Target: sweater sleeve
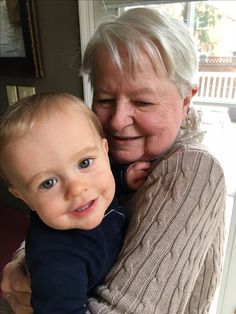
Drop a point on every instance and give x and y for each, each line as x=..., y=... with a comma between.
x=208, y=279
x=171, y=257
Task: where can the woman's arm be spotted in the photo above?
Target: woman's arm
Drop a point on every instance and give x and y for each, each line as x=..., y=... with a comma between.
x=171, y=257
x=15, y=284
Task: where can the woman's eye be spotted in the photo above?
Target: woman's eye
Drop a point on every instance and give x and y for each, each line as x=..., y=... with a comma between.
x=142, y=103
x=85, y=163
x=48, y=184
x=104, y=102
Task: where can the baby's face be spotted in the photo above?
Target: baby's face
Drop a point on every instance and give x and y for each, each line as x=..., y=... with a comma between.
x=60, y=168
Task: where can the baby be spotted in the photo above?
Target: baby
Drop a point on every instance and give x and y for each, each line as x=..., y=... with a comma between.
x=55, y=158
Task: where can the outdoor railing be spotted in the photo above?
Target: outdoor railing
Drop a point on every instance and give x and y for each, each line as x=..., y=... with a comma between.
x=222, y=60
x=218, y=88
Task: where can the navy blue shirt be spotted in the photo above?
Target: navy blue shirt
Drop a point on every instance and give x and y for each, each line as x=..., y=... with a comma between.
x=65, y=266
x=119, y=171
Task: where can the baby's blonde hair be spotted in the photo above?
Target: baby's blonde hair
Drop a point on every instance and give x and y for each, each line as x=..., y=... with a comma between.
x=22, y=116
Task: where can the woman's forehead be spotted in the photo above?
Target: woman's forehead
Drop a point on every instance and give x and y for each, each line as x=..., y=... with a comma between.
x=142, y=64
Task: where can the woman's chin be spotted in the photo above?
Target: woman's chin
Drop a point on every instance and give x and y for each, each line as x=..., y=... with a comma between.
x=126, y=157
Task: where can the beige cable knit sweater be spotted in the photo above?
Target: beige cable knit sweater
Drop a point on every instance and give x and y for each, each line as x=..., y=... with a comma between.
x=171, y=258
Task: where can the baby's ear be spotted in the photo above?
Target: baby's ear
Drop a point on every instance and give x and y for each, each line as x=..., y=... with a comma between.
x=16, y=193
x=105, y=145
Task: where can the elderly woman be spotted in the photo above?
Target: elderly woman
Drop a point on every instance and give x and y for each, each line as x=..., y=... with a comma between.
x=142, y=68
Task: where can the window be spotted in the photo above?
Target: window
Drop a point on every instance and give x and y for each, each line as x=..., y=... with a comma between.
x=210, y=22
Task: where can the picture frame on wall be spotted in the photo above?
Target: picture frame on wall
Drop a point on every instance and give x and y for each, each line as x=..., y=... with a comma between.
x=20, y=53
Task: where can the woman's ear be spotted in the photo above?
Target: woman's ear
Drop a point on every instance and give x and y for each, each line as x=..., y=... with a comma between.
x=187, y=100
x=194, y=90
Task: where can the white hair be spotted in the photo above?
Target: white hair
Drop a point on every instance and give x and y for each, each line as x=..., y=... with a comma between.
x=166, y=40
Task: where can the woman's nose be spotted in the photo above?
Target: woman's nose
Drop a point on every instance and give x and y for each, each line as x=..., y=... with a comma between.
x=121, y=116
x=75, y=188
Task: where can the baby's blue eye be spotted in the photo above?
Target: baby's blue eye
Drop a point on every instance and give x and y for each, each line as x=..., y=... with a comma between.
x=85, y=163
x=48, y=184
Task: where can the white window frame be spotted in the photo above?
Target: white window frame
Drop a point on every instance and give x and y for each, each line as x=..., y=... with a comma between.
x=87, y=28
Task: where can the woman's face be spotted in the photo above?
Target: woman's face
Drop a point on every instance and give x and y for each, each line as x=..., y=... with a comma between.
x=141, y=116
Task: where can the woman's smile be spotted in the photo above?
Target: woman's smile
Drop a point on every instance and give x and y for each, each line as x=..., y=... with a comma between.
x=123, y=139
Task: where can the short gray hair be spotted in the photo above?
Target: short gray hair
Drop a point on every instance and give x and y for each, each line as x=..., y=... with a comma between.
x=167, y=42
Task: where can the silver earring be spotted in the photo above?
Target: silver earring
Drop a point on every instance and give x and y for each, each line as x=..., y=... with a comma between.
x=186, y=123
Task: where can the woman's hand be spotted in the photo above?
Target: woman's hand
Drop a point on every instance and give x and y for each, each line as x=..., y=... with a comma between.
x=137, y=173
x=16, y=286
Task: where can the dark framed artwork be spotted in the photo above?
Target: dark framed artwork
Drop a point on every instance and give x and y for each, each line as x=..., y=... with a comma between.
x=19, y=43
